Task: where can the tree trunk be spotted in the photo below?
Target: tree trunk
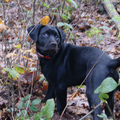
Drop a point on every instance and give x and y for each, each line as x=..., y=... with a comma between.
x=109, y=7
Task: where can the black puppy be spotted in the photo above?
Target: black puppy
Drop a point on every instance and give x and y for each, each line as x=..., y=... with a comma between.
x=66, y=65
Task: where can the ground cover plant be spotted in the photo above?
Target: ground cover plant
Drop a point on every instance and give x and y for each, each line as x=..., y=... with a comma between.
x=22, y=86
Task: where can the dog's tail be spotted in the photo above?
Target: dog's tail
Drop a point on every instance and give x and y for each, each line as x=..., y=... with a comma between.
x=115, y=63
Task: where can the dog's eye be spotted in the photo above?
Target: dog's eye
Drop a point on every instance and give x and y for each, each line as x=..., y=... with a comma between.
x=45, y=34
x=56, y=36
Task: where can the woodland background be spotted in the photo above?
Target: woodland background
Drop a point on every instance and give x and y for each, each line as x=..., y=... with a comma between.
x=22, y=86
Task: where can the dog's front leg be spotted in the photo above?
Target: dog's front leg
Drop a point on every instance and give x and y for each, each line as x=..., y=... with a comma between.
x=50, y=93
x=61, y=95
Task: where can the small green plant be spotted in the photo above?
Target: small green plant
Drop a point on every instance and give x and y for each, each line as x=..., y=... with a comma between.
x=73, y=2
x=26, y=103
x=108, y=85
x=46, y=112
x=104, y=116
x=67, y=27
x=118, y=36
x=66, y=9
x=92, y=32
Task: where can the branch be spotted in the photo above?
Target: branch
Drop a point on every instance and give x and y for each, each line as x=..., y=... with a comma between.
x=92, y=111
x=109, y=7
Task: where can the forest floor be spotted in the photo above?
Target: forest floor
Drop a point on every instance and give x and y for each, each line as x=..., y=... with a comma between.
x=91, y=27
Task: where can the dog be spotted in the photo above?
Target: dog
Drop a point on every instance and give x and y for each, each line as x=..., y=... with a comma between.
x=65, y=65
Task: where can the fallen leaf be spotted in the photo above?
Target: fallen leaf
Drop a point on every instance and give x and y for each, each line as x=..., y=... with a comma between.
x=17, y=46
x=2, y=25
x=11, y=55
x=6, y=0
x=27, y=58
x=45, y=85
x=45, y=20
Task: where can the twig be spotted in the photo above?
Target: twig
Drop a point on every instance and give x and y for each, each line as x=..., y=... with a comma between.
x=106, y=103
x=34, y=12
x=63, y=6
x=91, y=111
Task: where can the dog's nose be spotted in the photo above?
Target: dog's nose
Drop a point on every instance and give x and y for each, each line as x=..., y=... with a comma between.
x=53, y=44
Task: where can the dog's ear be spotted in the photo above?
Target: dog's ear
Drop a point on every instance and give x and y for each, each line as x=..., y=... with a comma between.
x=62, y=35
x=34, y=31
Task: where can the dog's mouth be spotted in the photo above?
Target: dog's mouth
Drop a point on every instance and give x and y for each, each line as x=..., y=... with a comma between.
x=48, y=51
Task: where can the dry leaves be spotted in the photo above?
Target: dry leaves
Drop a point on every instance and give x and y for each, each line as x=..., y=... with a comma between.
x=45, y=20
x=2, y=25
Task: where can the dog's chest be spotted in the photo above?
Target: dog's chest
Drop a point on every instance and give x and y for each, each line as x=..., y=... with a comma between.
x=51, y=71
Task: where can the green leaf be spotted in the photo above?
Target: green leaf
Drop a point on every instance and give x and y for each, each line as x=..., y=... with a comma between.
x=19, y=69
x=37, y=116
x=32, y=69
x=93, y=31
x=118, y=36
x=20, y=106
x=108, y=85
x=60, y=24
x=117, y=18
x=45, y=5
x=12, y=109
x=23, y=21
x=104, y=116
x=42, y=78
x=27, y=97
x=12, y=72
x=24, y=113
x=105, y=27
x=10, y=41
x=28, y=103
x=97, y=90
x=54, y=9
x=49, y=109
x=41, y=112
x=74, y=3
x=70, y=26
x=33, y=108
x=65, y=16
x=36, y=101
x=102, y=96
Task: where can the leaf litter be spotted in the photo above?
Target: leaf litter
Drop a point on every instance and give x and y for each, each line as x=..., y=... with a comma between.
x=83, y=19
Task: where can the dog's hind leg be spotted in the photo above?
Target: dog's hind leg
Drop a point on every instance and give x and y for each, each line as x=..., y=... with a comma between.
x=110, y=100
x=93, y=101
x=93, y=81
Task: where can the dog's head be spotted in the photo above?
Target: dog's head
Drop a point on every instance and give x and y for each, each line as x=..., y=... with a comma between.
x=48, y=39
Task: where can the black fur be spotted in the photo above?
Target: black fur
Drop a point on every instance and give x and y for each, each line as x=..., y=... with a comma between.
x=69, y=65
